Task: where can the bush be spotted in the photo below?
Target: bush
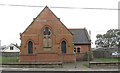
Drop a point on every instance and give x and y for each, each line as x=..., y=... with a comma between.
x=86, y=56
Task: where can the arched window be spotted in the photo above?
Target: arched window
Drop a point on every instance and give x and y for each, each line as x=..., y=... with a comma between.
x=30, y=47
x=47, y=31
x=47, y=42
x=63, y=47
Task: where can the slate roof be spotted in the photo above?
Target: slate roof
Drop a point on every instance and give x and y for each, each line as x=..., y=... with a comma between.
x=81, y=36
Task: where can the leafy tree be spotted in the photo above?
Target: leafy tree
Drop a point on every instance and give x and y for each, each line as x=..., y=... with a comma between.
x=110, y=39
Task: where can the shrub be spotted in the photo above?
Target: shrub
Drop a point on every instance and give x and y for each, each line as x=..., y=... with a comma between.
x=86, y=56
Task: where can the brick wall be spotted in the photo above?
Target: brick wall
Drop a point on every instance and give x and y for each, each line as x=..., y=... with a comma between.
x=46, y=58
x=34, y=33
x=83, y=50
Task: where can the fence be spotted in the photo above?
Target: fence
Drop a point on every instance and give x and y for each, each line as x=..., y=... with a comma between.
x=84, y=56
x=10, y=54
x=104, y=53
x=101, y=54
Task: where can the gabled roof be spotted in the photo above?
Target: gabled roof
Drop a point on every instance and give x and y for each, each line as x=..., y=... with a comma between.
x=11, y=45
x=47, y=10
x=16, y=46
x=81, y=36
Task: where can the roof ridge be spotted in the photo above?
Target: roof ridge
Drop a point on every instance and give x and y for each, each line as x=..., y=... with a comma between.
x=52, y=14
x=35, y=18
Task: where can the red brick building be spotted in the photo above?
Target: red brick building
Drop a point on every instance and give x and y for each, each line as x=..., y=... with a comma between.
x=47, y=39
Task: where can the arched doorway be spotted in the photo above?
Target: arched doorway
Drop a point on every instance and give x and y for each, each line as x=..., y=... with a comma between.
x=30, y=47
x=63, y=47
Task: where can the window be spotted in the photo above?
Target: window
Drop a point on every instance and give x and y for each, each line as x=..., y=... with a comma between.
x=47, y=31
x=63, y=46
x=11, y=47
x=74, y=50
x=47, y=42
x=30, y=47
x=78, y=50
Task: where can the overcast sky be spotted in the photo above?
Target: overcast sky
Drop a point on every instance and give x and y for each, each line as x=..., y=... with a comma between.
x=15, y=19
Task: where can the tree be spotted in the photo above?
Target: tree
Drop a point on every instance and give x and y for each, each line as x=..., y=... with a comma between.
x=110, y=39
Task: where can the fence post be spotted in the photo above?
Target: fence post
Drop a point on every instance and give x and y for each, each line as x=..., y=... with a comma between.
x=88, y=53
x=75, y=61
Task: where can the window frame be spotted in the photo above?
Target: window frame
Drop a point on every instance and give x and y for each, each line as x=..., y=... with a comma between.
x=11, y=48
x=74, y=50
x=30, y=50
x=78, y=50
x=64, y=50
x=47, y=40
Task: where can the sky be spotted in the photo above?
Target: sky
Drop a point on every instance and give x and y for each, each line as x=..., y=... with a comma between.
x=15, y=19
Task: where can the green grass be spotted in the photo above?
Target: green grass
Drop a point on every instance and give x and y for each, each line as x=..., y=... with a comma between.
x=107, y=60
x=86, y=65
x=8, y=60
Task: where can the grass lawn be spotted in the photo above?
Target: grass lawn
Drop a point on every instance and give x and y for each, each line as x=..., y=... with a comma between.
x=8, y=60
x=107, y=59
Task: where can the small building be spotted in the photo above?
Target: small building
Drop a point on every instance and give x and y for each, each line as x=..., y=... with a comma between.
x=47, y=39
x=11, y=48
x=81, y=41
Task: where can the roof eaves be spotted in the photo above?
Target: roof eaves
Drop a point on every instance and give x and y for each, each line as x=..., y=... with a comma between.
x=85, y=43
